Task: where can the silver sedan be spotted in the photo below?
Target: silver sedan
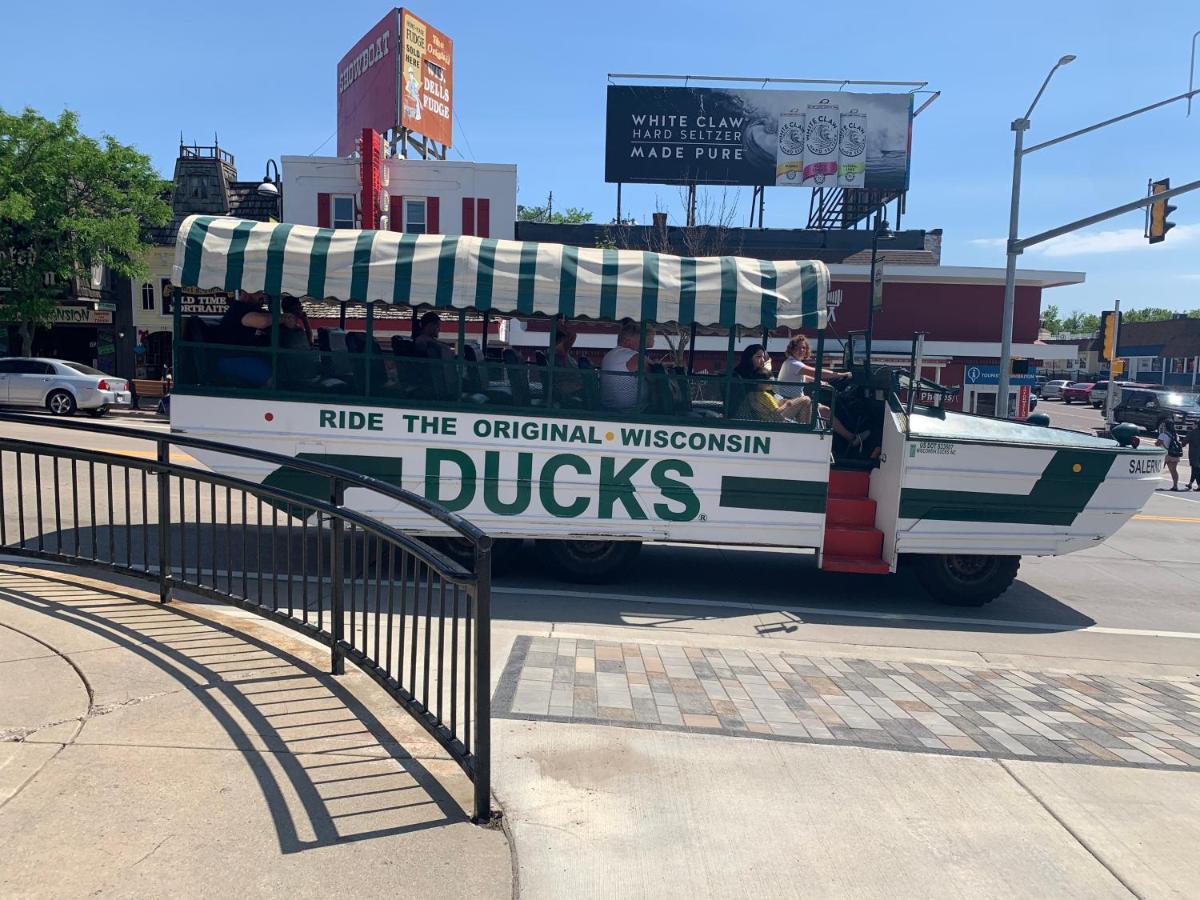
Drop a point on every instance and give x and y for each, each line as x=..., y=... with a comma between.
x=60, y=386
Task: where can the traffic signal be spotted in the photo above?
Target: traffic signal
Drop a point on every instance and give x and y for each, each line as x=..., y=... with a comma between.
x=1109, y=322
x=1159, y=210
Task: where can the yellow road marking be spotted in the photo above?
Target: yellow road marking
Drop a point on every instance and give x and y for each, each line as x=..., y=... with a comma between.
x=1168, y=518
x=151, y=454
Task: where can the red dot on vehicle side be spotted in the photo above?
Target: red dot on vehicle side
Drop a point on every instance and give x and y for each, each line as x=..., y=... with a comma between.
x=270, y=417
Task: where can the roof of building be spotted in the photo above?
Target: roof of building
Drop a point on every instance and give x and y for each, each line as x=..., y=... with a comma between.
x=1166, y=337
x=1088, y=343
x=244, y=202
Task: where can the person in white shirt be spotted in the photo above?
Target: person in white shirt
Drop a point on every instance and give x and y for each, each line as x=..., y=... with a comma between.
x=796, y=371
x=618, y=369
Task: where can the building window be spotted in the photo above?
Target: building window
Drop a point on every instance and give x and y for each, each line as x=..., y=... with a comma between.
x=147, y=296
x=343, y=211
x=414, y=216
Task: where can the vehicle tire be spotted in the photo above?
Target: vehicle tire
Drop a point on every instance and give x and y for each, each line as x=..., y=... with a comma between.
x=98, y=412
x=957, y=579
x=61, y=403
x=504, y=552
x=589, y=562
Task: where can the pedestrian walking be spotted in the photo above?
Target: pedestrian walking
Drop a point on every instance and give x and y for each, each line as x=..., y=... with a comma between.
x=1168, y=438
x=1192, y=441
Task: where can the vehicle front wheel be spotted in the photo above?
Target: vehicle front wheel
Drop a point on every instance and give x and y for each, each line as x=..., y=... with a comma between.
x=956, y=579
x=1067, y=400
x=98, y=412
x=61, y=403
x=589, y=562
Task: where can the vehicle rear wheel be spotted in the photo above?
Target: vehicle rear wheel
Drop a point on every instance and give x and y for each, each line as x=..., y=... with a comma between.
x=504, y=552
x=61, y=403
x=966, y=580
x=589, y=562
x=98, y=412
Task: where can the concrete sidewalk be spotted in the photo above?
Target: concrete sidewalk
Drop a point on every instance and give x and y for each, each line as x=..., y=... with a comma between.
x=157, y=751
x=664, y=763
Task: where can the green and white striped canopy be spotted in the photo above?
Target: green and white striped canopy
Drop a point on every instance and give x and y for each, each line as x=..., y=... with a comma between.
x=510, y=277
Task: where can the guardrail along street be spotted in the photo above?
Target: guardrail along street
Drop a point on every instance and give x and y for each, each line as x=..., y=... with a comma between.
x=415, y=620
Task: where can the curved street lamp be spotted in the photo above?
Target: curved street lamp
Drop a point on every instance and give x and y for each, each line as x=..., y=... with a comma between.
x=1019, y=127
x=272, y=188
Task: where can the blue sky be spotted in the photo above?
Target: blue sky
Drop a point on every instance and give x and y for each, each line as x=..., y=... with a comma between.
x=530, y=89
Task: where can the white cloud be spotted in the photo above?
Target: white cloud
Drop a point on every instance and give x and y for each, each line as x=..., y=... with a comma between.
x=1189, y=276
x=1092, y=242
x=1115, y=241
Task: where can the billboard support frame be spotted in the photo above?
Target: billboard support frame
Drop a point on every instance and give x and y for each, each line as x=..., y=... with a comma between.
x=915, y=85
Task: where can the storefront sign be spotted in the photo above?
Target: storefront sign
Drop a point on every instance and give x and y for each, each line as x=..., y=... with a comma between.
x=398, y=74
x=195, y=302
x=679, y=135
x=991, y=375
x=71, y=315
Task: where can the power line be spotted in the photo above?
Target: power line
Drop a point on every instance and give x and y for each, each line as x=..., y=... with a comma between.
x=463, y=132
x=322, y=144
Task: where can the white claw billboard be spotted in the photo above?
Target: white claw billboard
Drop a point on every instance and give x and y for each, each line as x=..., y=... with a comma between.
x=683, y=135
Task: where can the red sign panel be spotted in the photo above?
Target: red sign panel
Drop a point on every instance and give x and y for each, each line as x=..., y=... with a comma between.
x=371, y=161
x=1023, y=402
x=368, y=84
x=400, y=73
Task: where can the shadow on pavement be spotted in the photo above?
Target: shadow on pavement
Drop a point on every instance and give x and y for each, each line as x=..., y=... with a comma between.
x=350, y=777
x=788, y=582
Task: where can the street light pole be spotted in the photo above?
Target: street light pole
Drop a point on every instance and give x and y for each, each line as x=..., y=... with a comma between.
x=1019, y=127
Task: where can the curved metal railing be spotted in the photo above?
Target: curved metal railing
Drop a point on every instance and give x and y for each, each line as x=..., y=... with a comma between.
x=415, y=620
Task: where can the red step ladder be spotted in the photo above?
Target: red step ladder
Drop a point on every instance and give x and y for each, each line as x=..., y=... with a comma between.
x=852, y=542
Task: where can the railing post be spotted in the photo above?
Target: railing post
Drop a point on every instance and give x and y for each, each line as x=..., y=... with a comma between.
x=483, y=680
x=164, y=521
x=337, y=496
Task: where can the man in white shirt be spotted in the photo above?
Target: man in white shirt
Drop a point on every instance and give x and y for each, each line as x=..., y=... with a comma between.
x=618, y=369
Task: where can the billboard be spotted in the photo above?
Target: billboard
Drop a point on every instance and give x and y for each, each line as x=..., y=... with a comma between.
x=399, y=73
x=681, y=135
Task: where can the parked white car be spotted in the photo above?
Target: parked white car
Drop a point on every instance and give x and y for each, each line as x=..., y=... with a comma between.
x=1052, y=390
x=59, y=386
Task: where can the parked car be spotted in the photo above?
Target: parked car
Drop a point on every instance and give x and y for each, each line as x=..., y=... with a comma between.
x=1038, y=383
x=1079, y=392
x=1052, y=390
x=59, y=386
x=1150, y=408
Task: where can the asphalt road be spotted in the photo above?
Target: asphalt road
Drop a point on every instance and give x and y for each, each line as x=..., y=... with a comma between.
x=1135, y=598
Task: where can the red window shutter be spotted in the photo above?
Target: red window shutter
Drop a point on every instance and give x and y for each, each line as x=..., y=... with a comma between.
x=323, y=216
x=483, y=228
x=468, y=220
x=396, y=214
x=432, y=222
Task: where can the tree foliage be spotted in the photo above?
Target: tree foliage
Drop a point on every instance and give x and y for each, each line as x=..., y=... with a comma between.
x=68, y=202
x=1081, y=323
x=572, y=215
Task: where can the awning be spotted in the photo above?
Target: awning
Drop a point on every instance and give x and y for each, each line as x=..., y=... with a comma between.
x=511, y=277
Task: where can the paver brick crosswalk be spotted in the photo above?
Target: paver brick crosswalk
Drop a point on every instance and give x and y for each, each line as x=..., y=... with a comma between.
x=899, y=705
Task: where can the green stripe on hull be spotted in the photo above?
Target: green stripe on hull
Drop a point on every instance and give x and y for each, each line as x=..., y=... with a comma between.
x=309, y=484
x=1057, y=498
x=774, y=494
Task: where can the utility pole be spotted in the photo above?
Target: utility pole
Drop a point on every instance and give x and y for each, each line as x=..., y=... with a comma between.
x=1112, y=364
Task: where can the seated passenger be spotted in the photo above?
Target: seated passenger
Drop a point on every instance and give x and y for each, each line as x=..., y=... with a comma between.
x=618, y=381
x=568, y=384
x=759, y=401
x=797, y=370
x=294, y=330
x=297, y=369
x=245, y=324
x=427, y=333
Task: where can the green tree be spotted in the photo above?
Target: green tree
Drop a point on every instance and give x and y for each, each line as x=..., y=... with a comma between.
x=1080, y=323
x=1051, y=320
x=1149, y=314
x=572, y=215
x=68, y=202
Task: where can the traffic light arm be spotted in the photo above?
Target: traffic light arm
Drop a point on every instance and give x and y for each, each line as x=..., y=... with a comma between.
x=1019, y=246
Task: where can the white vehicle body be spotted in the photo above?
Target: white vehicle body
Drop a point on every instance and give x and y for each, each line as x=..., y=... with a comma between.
x=966, y=495
x=1052, y=390
x=41, y=382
